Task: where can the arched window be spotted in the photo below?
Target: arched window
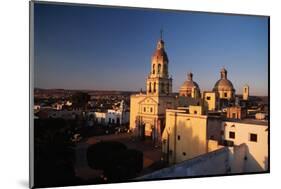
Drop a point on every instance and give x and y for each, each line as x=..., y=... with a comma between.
x=149, y=87
x=153, y=69
x=154, y=87
x=159, y=68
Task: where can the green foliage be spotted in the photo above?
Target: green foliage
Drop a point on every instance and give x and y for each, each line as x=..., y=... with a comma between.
x=117, y=162
x=54, y=153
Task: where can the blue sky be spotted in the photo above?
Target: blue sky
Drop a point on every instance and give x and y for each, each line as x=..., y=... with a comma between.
x=80, y=47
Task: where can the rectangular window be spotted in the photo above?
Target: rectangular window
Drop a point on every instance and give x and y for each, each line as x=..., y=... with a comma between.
x=225, y=94
x=208, y=98
x=253, y=137
x=232, y=135
x=179, y=137
x=233, y=115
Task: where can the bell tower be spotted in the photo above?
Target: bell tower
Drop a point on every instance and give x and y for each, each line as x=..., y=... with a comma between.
x=246, y=89
x=158, y=82
x=148, y=111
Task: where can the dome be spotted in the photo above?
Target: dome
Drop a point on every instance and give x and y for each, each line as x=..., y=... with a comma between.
x=223, y=85
x=188, y=85
x=160, y=52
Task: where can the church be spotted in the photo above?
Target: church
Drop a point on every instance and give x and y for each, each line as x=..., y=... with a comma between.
x=195, y=123
x=148, y=109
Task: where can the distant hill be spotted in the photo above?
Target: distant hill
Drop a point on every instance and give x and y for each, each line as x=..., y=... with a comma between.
x=38, y=91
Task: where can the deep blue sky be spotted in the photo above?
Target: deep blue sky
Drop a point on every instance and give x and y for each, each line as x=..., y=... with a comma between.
x=79, y=47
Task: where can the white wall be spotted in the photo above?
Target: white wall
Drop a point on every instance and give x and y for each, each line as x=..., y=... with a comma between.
x=112, y=115
x=100, y=116
x=257, y=156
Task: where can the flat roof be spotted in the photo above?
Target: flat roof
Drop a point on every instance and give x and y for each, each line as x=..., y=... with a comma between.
x=248, y=121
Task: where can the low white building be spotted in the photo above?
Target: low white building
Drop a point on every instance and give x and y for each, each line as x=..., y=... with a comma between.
x=253, y=133
x=100, y=117
x=68, y=103
x=112, y=116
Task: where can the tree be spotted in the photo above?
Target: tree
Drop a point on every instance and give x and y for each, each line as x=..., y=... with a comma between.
x=54, y=153
x=117, y=162
x=99, y=155
x=80, y=100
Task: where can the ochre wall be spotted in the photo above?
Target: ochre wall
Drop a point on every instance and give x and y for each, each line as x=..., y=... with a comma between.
x=187, y=136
